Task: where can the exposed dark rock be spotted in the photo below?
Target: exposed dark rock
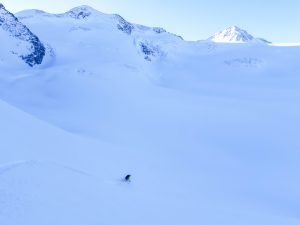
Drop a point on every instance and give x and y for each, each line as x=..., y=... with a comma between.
x=10, y=24
x=123, y=25
x=150, y=51
x=159, y=30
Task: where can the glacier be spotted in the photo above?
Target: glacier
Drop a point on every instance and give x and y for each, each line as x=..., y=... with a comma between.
x=207, y=129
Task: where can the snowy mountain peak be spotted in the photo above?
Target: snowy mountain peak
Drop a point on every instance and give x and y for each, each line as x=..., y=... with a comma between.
x=235, y=28
x=82, y=12
x=233, y=34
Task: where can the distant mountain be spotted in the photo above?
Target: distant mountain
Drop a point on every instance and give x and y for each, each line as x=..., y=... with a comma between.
x=147, y=42
x=19, y=40
x=87, y=13
x=235, y=34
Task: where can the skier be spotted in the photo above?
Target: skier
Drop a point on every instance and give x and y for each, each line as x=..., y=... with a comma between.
x=127, y=178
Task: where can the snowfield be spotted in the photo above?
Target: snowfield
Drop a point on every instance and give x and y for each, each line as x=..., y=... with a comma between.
x=209, y=131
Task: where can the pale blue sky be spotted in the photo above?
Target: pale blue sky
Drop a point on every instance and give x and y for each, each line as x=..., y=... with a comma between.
x=275, y=20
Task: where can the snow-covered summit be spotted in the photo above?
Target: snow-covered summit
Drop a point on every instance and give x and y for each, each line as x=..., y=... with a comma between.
x=19, y=40
x=82, y=12
x=234, y=34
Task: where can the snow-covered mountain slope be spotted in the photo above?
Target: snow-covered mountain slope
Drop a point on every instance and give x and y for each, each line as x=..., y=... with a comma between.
x=208, y=131
x=49, y=176
x=86, y=24
x=19, y=41
x=235, y=34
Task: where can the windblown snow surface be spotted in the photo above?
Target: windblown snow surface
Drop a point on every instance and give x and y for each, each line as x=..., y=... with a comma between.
x=208, y=131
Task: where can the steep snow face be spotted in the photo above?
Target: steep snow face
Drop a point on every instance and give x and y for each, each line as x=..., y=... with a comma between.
x=233, y=34
x=19, y=40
